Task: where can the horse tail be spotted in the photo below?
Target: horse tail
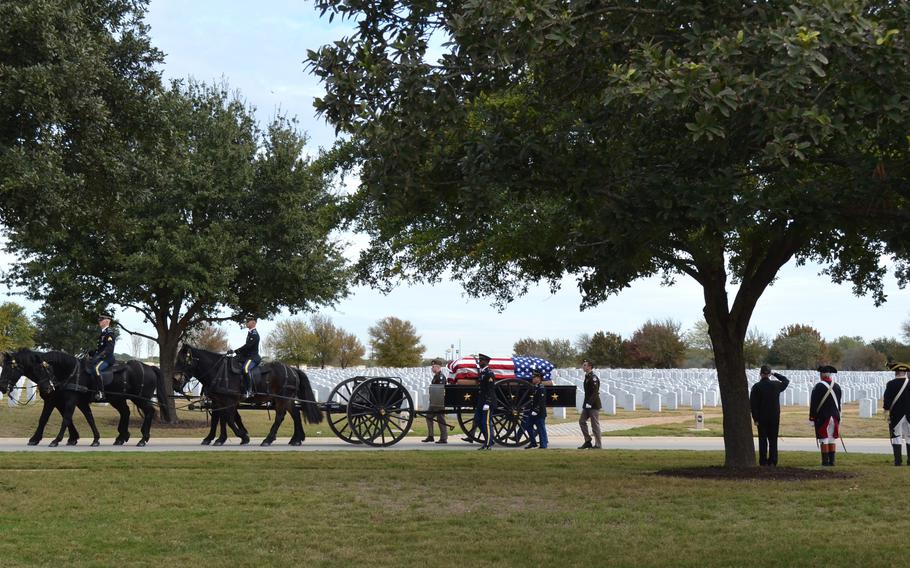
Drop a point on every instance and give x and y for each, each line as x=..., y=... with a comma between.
x=310, y=409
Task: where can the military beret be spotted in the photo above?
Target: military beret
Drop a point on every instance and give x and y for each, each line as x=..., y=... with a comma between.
x=898, y=367
x=827, y=369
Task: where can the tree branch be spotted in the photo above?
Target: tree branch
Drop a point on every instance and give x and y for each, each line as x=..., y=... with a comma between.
x=149, y=317
x=121, y=326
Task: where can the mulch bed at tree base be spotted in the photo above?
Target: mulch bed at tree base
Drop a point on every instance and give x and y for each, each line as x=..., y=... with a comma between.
x=751, y=473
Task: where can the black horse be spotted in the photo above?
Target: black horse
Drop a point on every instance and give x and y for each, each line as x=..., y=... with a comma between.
x=277, y=383
x=40, y=373
x=132, y=382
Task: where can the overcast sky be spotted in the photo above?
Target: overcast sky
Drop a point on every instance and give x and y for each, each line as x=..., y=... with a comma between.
x=259, y=49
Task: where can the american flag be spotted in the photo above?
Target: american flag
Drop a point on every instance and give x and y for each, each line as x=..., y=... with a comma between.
x=505, y=368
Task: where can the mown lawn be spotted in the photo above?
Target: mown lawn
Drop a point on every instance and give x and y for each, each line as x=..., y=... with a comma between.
x=562, y=508
x=794, y=423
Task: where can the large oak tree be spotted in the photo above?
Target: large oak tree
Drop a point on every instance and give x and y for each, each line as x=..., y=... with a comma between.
x=614, y=141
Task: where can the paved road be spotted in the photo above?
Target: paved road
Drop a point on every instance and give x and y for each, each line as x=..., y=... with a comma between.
x=856, y=445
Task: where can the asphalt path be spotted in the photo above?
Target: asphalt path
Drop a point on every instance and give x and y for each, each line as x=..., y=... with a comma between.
x=413, y=443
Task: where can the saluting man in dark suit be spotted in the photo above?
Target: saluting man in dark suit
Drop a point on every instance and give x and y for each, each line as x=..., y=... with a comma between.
x=249, y=354
x=103, y=356
x=897, y=402
x=765, y=402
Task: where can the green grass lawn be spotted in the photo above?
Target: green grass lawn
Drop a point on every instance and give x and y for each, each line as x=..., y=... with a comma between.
x=793, y=423
x=557, y=508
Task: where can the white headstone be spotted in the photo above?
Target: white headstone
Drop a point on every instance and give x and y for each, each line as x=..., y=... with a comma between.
x=608, y=404
x=698, y=401
x=866, y=407
x=629, y=402
x=654, y=402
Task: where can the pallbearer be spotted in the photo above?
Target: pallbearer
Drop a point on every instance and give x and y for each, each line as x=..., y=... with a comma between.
x=824, y=412
x=897, y=403
x=487, y=399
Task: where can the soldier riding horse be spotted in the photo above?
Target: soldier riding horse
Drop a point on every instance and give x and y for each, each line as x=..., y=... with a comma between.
x=221, y=378
x=52, y=397
x=74, y=385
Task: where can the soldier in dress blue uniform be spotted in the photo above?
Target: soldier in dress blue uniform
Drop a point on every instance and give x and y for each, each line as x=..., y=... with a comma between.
x=824, y=412
x=102, y=357
x=486, y=401
x=897, y=402
x=537, y=412
x=249, y=354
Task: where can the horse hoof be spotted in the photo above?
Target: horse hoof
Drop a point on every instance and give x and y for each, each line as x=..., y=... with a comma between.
x=72, y=442
x=141, y=444
x=244, y=441
x=266, y=443
x=33, y=442
x=206, y=442
x=218, y=443
x=295, y=443
x=54, y=444
x=96, y=443
x=118, y=442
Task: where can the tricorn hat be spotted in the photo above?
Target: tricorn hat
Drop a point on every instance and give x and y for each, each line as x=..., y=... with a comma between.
x=900, y=367
x=827, y=369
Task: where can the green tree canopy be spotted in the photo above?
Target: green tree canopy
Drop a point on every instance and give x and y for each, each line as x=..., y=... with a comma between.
x=607, y=349
x=350, y=350
x=395, y=343
x=560, y=352
x=292, y=342
x=16, y=330
x=657, y=344
x=215, y=219
x=714, y=140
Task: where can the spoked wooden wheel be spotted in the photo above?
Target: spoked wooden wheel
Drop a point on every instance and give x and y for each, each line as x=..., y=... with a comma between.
x=336, y=409
x=513, y=399
x=466, y=416
x=380, y=411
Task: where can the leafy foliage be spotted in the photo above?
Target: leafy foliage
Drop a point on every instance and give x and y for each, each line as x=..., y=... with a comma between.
x=560, y=352
x=395, y=343
x=657, y=344
x=716, y=140
x=208, y=337
x=15, y=328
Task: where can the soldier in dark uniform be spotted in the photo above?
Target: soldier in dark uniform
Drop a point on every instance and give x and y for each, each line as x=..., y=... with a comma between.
x=486, y=400
x=536, y=421
x=824, y=412
x=590, y=407
x=765, y=402
x=249, y=354
x=435, y=415
x=102, y=357
x=897, y=402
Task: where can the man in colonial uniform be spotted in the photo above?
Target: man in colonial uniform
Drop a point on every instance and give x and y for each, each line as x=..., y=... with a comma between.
x=249, y=354
x=824, y=412
x=897, y=402
x=765, y=401
x=102, y=357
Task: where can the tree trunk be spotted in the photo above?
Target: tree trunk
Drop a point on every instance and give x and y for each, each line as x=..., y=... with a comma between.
x=727, y=337
x=167, y=346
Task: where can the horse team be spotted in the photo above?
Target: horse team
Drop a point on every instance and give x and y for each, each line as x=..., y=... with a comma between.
x=65, y=384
